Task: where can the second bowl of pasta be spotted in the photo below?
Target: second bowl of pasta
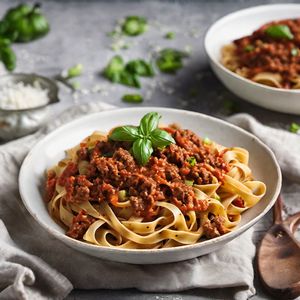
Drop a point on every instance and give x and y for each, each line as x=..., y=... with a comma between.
x=255, y=53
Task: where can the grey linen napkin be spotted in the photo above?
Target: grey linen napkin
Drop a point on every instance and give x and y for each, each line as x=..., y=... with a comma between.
x=35, y=265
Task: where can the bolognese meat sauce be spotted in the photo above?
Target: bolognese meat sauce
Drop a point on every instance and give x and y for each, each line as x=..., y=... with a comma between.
x=110, y=168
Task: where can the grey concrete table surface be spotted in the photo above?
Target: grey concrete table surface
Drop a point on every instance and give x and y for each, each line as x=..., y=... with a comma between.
x=79, y=35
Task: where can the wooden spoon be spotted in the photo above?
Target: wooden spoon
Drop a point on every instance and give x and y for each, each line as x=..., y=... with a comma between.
x=278, y=256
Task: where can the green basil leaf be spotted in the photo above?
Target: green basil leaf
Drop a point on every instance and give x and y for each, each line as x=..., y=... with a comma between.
x=133, y=98
x=75, y=71
x=279, y=32
x=125, y=134
x=148, y=123
x=294, y=127
x=114, y=69
x=161, y=138
x=8, y=57
x=140, y=67
x=129, y=79
x=170, y=60
x=142, y=150
x=134, y=25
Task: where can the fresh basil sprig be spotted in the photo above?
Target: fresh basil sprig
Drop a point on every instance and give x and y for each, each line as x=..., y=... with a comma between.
x=145, y=137
x=279, y=32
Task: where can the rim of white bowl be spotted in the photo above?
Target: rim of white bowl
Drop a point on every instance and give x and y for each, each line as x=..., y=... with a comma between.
x=85, y=245
x=233, y=15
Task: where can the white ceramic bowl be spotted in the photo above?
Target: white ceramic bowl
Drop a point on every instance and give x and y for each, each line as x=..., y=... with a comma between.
x=239, y=24
x=51, y=149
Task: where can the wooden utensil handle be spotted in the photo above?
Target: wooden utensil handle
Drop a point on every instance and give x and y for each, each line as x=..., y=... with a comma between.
x=277, y=211
x=293, y=222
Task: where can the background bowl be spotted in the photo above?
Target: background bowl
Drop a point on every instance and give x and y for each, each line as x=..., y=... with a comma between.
x=239, y=24
x=51, y=149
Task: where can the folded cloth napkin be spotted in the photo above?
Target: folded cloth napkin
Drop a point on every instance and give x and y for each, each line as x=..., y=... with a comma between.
x=35, y=265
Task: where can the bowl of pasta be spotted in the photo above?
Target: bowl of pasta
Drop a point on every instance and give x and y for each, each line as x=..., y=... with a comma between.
x=148, y=185
x=255, y=53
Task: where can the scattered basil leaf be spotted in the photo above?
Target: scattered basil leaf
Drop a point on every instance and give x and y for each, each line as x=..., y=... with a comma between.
x=279, y=32
x=192, y=161
x=4, y=42
x=170, y=60
x=161, y=138
x=294, y=51
x=8, y=57
x=134, y=25
x=140, y=67
x=114, y=69
x=129, y=79
x=249, y=48
x=133, y=98
x=148, y=123
x=207, y=141
x=170, y=35
x=24, y=23
x=75, y=71
x=294, y=128
x=125, y=134
x=142, y=150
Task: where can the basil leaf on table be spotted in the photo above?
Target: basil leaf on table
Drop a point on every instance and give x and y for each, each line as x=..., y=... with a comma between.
x=161, y=138
x=279, y=32
x=130, y=79
x=134, y=25
x=125, y=134
x=24, y=23
x=148, y=123
x=7, y=55
x=114, y=69
x=140, y=67
x=132, y=98
x=294, y=128
x=170, y=60
x=142, y=150
x=75, y=71
x=8, y=58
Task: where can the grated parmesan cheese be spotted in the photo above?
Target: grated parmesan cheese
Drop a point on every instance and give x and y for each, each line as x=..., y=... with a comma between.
x=22, y=96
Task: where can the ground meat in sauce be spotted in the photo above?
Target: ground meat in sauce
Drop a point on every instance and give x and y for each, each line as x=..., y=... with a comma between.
x=268, y=54
x=80, y=224
x=111, y=168
x=214, y=227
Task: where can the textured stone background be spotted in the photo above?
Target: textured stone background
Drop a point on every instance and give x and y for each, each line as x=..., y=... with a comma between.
x=78, y=35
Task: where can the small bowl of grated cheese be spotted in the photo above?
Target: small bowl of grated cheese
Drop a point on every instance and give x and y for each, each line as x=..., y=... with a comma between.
x=24, y=100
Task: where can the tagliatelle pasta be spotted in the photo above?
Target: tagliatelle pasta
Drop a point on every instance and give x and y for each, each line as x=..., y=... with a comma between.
x=269, y=56
x=188, y=191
